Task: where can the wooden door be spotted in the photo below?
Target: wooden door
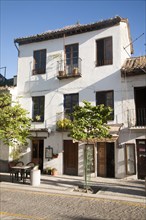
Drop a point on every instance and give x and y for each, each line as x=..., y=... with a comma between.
x=101, y=159
x=141, y=158
x=70, y=158
x=110, y=160
x=37, y=152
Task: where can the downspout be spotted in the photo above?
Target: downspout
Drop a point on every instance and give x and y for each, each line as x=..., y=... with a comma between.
x=17, y=48
x=15, y=78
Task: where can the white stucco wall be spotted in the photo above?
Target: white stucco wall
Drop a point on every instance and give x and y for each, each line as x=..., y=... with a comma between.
x=93, y=79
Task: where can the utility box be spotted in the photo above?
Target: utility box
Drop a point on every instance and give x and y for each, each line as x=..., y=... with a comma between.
x=35, y=177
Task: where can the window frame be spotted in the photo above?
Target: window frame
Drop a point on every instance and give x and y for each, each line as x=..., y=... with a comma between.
x=40, y=53
x=39, y=113
x=127, y=159
x=104, y=98
x=70, y=57
x=104, y=51
x=71, y=104
x=92, y=148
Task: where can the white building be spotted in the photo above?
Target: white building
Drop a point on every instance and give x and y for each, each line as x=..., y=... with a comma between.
x=133, y=134
x=61, y=68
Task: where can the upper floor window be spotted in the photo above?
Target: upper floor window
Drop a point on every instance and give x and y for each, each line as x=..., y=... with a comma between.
x=70, y=100
x=38, y=108
x=39, y=65
x=104, y=51
x=106, y=98
x=72, y=57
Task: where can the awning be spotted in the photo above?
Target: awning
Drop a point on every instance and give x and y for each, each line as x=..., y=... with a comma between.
x=114, y=131
x=39, y=133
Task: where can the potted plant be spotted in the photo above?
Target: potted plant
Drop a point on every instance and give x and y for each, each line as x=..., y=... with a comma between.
x=63, y=124
x=54, y=172
x=61, y=73
x=48, y=170
x=75, y=71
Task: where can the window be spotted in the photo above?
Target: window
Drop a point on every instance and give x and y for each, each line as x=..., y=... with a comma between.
x=130, y=159
x=70, y=100
x=39, y=57
x=72, y=56
x=104, y=51
x=90, y=158
x=38, y=108
x=106, y=98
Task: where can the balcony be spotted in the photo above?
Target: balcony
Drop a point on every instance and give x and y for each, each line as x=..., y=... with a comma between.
x=137, y=118
x=141, y=117
x=65, y=71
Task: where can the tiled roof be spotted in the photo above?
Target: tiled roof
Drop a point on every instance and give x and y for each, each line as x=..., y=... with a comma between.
x=70, y=30
x=134, y=66
x=5, y=82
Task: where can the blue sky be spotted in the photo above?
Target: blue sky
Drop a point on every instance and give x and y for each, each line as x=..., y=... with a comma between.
x=28, y=17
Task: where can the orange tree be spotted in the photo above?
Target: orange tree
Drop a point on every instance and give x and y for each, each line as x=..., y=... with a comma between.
x=89, y=125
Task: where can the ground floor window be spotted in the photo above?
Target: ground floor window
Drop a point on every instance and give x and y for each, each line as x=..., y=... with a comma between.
x=90, y=158
x=130, y=159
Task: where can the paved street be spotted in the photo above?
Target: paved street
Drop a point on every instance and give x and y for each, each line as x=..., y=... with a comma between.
x=20, y=204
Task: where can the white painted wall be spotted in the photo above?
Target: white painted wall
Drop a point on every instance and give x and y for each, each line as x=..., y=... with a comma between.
x=93, y=79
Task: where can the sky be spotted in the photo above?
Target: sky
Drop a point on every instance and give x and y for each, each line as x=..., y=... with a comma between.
x=20, y=18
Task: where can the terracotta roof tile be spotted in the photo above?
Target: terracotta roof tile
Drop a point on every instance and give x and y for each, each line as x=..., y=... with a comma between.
x=70, y=30
x=134, y=66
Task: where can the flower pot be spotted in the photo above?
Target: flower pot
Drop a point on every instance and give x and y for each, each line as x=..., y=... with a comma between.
x=75, y=71
x=61, y=73
x=54, y=172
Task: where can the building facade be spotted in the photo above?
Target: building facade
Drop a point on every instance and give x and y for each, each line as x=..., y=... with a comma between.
x=133, y=134
x=61, y=68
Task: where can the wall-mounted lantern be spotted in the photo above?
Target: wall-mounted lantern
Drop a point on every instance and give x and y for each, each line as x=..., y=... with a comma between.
x=49, y=152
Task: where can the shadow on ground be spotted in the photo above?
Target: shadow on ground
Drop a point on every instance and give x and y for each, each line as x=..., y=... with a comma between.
x=120, y=187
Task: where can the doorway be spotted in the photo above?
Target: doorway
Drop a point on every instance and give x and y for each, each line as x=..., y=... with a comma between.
x=70, y=158
x=105, y=159
x=140, y=105
x=141, y=158
x=38, y=152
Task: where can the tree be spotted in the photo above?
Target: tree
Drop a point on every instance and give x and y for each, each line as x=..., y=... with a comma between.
x=89, y=125
x=14, y=124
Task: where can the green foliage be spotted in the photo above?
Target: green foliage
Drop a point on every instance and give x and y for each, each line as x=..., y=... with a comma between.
x=90, y=122
x=14, y=123
x=64, y=124
x=89, y=125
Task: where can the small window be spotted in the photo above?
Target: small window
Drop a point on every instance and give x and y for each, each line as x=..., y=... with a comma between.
x=70, y=100
x=90, y=160
x=39, y=57
x=106, y=98
x=130, y=159
x=38, y=108
x=104, y=51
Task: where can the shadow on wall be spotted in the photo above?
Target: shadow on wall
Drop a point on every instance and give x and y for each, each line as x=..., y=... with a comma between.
x=4, y=166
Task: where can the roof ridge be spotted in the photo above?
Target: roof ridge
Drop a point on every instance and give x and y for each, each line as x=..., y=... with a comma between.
x=70, y=30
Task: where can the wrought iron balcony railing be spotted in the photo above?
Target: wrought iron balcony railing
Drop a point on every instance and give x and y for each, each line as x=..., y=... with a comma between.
x=141, y=117
x=137, y=117
x=67, y=71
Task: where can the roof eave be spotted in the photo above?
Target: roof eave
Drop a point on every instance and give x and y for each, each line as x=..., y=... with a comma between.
x=68, y=32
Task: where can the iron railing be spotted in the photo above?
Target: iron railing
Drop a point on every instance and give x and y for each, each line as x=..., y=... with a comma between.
x=141, y=117
x=72, y=70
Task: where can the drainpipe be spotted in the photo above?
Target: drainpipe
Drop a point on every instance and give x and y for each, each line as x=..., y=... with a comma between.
x=17, y=48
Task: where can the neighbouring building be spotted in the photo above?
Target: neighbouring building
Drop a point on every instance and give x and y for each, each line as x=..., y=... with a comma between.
x=133, y=134
x=59, y=69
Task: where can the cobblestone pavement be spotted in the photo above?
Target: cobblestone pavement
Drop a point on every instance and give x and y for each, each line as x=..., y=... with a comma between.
x=20, y=204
